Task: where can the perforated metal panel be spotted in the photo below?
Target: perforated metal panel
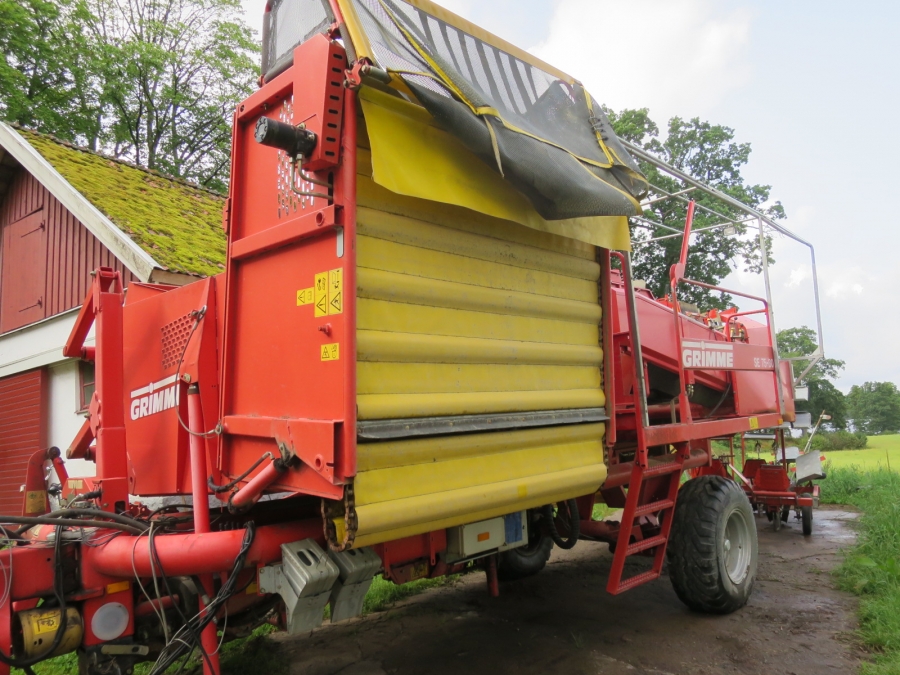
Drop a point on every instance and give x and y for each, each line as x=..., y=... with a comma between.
x=288, y=24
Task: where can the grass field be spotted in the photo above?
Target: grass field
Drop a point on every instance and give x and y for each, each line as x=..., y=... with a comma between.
x=882, y=451
x=871, y=569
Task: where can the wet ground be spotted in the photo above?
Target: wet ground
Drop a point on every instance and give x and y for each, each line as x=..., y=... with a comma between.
x=563, y=622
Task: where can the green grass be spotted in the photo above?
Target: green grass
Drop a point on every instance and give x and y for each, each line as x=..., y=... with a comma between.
x=254, y=653
x=883, y=451
x=383, y=593
x=871, y=569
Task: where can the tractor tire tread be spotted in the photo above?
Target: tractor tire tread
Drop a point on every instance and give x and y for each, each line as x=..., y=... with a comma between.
x=694, y=566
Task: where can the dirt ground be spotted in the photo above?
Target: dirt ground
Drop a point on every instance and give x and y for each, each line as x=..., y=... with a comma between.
x=563, y=622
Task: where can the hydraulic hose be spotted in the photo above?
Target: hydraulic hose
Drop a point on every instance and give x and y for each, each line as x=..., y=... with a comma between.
x=574, y=523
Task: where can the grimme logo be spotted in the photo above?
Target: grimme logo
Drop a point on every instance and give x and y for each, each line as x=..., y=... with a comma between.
x=707, y=355
x=154, y=398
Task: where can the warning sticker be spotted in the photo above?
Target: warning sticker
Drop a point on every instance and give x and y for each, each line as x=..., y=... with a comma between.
x=35, y=502
x=320, y=292
x=331, y=352
x=754, y=423
x=335, y=291
x=48, y=622
x=305, y=296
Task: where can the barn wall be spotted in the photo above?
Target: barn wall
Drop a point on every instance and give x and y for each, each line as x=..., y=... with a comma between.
x=22, y=432
x=72, y=252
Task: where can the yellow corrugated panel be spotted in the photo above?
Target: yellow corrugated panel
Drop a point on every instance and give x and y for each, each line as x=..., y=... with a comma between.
x=378, y=254
x=393, y=406
x=416, y=480
x=388, y=454
x=413, y=486
x=376, y=197
x=416, y=290
x=417, y=348
x=411, y=318
x=463, y=314
x=422, y=234
x=429, y=378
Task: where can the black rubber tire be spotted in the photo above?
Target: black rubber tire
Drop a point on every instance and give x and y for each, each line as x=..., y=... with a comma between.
x=785, y=514
x=806, y=516
x=698, y=566
x=525, y=561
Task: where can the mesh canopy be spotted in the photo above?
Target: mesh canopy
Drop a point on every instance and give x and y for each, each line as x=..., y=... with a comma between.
x=289, y=23
x=538, y=127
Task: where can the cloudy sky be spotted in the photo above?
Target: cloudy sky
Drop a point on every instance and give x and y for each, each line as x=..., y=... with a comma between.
x=812, y=85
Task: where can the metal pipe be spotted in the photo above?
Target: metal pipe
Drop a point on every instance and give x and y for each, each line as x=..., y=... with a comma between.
x=749, y=210
x=199, y=489
x=200, y=503
x=190, y=554
x=638, y=355
x=666, y=195
x=764, y=252
x=680, y=233
x=620, y=474
x=686, y=241
x=252, y=491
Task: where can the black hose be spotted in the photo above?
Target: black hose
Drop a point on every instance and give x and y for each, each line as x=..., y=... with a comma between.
x=178, y=646
x=574, y=523
x=26, y=663
x=78, y=513
x=31, y=521
x=224, y=488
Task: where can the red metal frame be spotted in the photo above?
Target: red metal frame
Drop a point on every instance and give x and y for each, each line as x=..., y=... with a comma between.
x=103, y=308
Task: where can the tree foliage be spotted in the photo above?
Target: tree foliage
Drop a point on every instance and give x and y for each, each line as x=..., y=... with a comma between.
x=875, y=407
x=45, y=80
x=823, y=395
x=151, y=81
x=709, y=153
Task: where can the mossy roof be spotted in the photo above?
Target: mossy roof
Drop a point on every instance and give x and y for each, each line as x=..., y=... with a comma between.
x=178, y=224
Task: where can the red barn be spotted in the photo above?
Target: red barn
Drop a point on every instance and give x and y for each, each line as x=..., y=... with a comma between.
x=64, y=211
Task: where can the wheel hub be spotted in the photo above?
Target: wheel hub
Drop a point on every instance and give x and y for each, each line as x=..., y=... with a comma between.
x=737, y=547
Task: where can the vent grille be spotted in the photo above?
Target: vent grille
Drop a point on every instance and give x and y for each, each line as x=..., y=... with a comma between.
x=175, y=335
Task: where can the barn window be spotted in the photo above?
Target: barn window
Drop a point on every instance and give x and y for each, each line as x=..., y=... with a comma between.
x=86, y=385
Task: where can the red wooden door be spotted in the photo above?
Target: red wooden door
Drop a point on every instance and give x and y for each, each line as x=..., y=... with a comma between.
x=21, y=433
x=24, y=274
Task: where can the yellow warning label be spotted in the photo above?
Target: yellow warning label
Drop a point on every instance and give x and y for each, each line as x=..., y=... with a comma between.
x=335, y=291
x=320, y=291
x=305, y=296
x=45, y=623
x=754, y=423
x=331, y=352
x=35, y=502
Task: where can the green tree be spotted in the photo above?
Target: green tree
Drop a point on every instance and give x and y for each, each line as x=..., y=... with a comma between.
x=709, y=153
x=151, y=81
x=823, y=395
x=875, y=407
x=45, y=80
x=172, y=73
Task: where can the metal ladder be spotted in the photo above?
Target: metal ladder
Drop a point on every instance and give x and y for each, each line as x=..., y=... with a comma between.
x=637, y=504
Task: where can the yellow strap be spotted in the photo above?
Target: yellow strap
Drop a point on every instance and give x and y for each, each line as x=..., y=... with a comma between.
x=411, y=156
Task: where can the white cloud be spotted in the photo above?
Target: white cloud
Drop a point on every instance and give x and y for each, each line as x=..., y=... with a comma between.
x=797, y=276
x=841, y=289
x=673, y=56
